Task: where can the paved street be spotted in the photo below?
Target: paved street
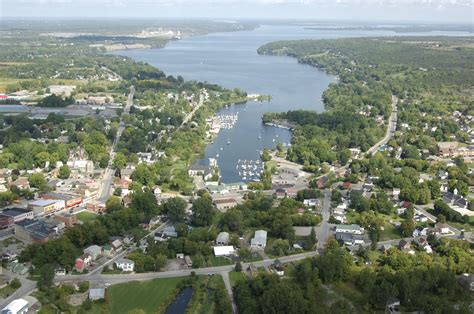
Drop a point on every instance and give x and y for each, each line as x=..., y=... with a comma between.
x=323, y=231
x=392, y=126
x=109, y=172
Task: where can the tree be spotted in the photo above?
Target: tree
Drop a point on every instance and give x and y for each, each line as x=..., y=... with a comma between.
x=120, y=161
x=203, y=213
x=46, y=276
x=175, y=209
x=113, y=204
x=15, y=283
x=238, y=266
x=407, y=227
x=64, y=172
x=311, y=239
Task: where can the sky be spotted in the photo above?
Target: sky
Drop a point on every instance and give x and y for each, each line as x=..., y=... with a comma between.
x=441, y=11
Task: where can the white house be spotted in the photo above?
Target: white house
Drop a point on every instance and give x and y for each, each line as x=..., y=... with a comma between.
x=443, y=228
x=259, y=241
x=224, y=250
x=222, y=238
x=353, y=229
x=125, y=264
x=94, y=251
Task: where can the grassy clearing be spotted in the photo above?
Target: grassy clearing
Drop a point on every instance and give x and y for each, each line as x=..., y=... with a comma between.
x=235, y=277
x=6, y=291
x=86, y=216
x=148, y=296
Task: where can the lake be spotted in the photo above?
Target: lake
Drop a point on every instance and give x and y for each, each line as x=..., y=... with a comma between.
x=231, y=60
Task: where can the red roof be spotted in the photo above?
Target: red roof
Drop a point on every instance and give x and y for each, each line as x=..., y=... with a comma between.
x=79, y=264
x=347, y=185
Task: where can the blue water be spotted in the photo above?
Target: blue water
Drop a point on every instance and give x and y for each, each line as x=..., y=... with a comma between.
x=231, y=60
x=180, y=302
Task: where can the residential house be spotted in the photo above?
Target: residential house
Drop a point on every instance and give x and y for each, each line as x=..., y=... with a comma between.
x=349, y=238
x=312, y=202
x=353, y=229
x=170, y=232
x=116, y=245
x=404, y=245
x=222, y=238
x=200, y=170
x=423, y=244
x=21, y=183
x=82, y=262
x=277, y=268
x=259, y=241
x=420, y=231
x=108, y=251
x=94, y=251
x=280, y=193
x=125, y=264
x=442, y=227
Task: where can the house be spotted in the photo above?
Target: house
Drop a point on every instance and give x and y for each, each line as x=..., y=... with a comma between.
x=404, y=245
x=442, y=227
x=222, y=238
x=384, y=248
x=347, y=185
x=60, y=272
x=418, y=232
x=349, y=238
x=21, y=183
x=80, y=264
x=224, y=204
x=108, y=251
x=291, y=192
x=170, y=232
x=94, y=251
x=280, y=193
x=312, y=202
x=125, y=264
x=18, y=214
x=259, y=241
x=18, y=306
x=467, y=281
x=96, y=294
x=223, y=250
x=353, y=229
x=116, y=245
x=278, y=268
x=69, y=220
x=200, y=170
x=423, y=244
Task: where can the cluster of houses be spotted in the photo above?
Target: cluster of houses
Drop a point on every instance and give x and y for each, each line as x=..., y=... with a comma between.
x=222, y=248
x=109, y=250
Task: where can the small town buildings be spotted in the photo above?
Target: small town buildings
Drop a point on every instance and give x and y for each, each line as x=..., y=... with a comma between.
x=125, y=264
x=277, y=268
x=68, y=219
x=222, y=238
x=353, y=229
x=108, y=251
x=116, y=245
x=94, y=251
x=312, y=202
x=22, y=183
x=224, y=204
x=96, y=294
x=36, y=231
x=43, y=207
x=188, y=261
x=349, y=238
x=170, y=232
x=224, y=250
x=200, y=170
x=454, y=149
x=70, y=200
x=95, y=206
x=259, y=241
x=81, y=262
x=280, y=193
x=18, y=214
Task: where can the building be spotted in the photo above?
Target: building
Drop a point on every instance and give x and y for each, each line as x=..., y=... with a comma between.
x=95, y=206
x=224, y=204
x=36, y=231
x=224, y=250
x=353, y=229
x=70, y=200
x=5, y=221
x=259, y=241
x=96, y=294
x=200, y=170
x=69, y=220
x=42, y=207
x=222, y=238
x=349, y=238
x=94, y=251
x=442, y=228
x=170, y=232
x=454, y=149
x=18, y=214
x=22, y=183
x=125, y=264
x=18, y=306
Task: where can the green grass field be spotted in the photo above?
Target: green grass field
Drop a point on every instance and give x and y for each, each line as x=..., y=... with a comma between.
x=86, y=216
x=147, y=296
x=236, y=277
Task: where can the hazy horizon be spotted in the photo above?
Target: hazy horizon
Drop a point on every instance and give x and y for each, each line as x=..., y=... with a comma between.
x=409, y=11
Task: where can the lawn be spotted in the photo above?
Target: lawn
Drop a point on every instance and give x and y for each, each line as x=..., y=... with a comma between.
x=235, y=277
x=148, y=296
x=213, y=261
x=6, y=291
x=389, y=233
x=86, y=216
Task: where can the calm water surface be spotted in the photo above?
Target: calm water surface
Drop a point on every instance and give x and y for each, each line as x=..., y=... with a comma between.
x=231, y=60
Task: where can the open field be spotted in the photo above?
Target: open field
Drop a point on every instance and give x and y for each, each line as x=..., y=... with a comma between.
x=148, y=295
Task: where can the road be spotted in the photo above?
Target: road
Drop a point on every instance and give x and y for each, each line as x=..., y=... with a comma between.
x=27, y=286
x=392, y=126
x=228, y=287
x=323, y=231
x=109, y=172
x=190, y=115
x=115, y=279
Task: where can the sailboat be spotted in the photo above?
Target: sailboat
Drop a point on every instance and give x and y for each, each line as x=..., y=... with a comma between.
x=228, y=141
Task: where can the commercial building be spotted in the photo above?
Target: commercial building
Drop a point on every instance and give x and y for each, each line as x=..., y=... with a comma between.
x=36, y=231
x=69, y=220
x=224, y=204
x=42, y=207
x=223, y=250
x=18, y=214
x=5, y=221
x=18, y=306
x=70, y=200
